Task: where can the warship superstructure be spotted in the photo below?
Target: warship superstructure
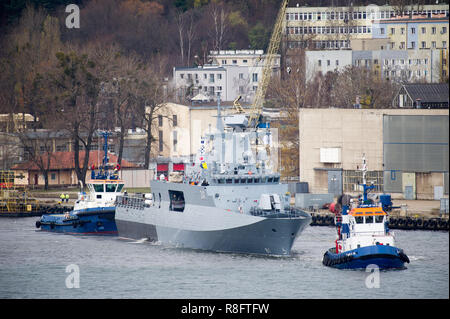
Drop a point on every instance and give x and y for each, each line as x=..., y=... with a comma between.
x=228, y=200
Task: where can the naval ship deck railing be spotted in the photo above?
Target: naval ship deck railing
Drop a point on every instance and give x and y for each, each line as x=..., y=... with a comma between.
x=130, y=202
x=286, y=213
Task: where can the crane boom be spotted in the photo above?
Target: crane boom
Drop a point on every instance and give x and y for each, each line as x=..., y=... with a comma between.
x=272, y=50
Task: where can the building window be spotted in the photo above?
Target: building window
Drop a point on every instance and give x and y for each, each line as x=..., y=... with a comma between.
x=53, y=176
x=337, y=62
x=320, y=62
x=424, y=44
x=61, y=148
x=424, y=30
x=402, y=30
x=413, y=30
x=444, y=30
x=444, y=44
x=433, y=30
x=211, y=78
x=392, y=30
x=328, y=63
x=241, y=76
x=224, y=61
x=234, y=61
x=433, y=44
x=181, y=76
x=255, y=77
x=219, y=88
x=175, y=141
x=174, y=120
x=160, y=120
x=381, y=30
x=160, y=140
x=413, y=45
x=244, y=61
x=219, y=76
x=402, y=45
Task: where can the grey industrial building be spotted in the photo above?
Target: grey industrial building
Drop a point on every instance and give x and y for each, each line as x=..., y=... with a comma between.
x=406, y=151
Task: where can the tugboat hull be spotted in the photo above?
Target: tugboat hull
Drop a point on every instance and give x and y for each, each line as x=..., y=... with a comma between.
x=385, y=257
x=90, y=221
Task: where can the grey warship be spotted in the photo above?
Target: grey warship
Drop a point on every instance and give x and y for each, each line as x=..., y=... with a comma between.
x=228, y=200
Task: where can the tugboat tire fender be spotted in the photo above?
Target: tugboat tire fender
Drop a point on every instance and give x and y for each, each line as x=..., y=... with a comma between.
x=38, y=224
x=403, y=257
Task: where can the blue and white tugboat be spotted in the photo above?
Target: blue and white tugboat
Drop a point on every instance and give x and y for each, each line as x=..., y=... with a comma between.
x=93, y=213
x=363, y=236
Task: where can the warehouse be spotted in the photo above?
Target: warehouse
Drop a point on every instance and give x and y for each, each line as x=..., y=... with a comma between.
x=406, y=150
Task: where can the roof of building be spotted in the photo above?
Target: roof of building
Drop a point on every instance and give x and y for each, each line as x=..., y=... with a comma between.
x=428, y=92
x=51, y=133
x=65, y=160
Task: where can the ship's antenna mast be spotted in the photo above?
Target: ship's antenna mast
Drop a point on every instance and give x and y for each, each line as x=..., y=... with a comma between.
x=366, y=188
x=219, y=124
x=364, y=169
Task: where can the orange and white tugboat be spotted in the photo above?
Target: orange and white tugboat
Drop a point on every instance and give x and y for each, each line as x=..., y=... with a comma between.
x=363, y=236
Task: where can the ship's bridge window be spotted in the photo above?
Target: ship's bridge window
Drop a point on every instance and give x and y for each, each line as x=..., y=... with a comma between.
x=369, y=219
x=359, y=219
x=379, y=219
x=98, y=188
x=176, y=201
x=110, y=188
x=119, y=187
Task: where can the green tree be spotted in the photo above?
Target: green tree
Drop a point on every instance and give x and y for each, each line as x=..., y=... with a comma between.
x=258, y=37
x=77, y=86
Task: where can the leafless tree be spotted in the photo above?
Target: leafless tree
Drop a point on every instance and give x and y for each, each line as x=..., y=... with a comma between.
x=219, y=22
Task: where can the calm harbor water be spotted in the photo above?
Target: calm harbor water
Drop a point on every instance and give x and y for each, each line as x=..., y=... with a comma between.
x=33, y=265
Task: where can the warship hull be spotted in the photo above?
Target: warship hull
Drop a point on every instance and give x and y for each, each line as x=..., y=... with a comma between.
x=205, y=224
x=269, y=236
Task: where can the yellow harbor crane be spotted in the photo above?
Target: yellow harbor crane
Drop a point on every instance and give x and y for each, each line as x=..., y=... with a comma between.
x=274, y=45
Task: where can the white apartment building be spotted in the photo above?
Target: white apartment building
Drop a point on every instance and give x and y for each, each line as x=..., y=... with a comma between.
x=232, y=73
x=326, y=61
x=335, y=27
x=396, y=65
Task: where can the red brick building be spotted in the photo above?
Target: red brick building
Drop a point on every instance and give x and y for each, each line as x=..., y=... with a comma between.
x=62, y=168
